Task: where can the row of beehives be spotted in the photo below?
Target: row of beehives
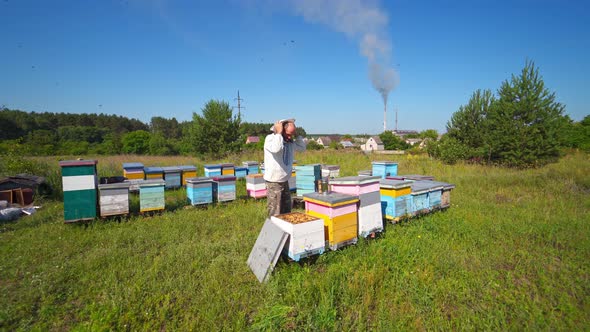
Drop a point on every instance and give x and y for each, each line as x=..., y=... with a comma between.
x=356, y=207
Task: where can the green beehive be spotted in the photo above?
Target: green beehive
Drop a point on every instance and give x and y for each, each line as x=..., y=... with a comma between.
x=79, y=186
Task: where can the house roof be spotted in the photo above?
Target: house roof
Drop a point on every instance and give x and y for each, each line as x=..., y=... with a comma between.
x=325, y=140
x=347, y=144
x=377, y=139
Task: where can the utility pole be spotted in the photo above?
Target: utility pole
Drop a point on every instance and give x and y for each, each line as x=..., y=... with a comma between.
x=239, y=104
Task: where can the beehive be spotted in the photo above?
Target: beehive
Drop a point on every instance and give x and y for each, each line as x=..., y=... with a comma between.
x=151, y=195
x=339, y=212
x=133, y=171
x=199, y=190
x=395, y=198
x=79, y=182
x=445, y=199
x=241, y=172
x=224, y=188
x=228, y=169
x=306, y=177
x=252, y=166
x=114, y=199
x=370, y=218
x=172, y=176
x=293, y=181
x=188, y=171
x=255, y=185
x=306, y=234
x=420, y=199
x=331, y=171
x=384, y=168
x=212, y=170
x=154, y=172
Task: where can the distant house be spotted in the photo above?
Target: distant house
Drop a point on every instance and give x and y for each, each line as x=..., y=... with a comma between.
x=374, y=143
x=404, y=133
x=347, y=144
x=413, y=141
x=252, y=139
x=324, y=141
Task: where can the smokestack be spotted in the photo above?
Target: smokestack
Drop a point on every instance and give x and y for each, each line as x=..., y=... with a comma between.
x=385, y=117
x=365, y=22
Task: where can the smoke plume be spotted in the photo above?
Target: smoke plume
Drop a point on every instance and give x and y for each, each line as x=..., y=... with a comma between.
x=363, y=21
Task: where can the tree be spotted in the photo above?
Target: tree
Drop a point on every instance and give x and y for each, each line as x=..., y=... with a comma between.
x=523, y=128
x=429, y=133
x=313, y=145
x=167, y=128
x=467, y=126
x=577, y=134
x=392, y=142
x=216, y=132
x=136, y=142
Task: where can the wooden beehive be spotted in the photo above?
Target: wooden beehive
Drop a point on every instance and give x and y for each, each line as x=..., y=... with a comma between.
x=252, y=166
x=114, y=199
x=306, y=234
x=339, y=212
x=395, y=198
x=241, y=172
x=151, y=195
x=384, y=168
x=255, y=185
x=331, y=171
x=199, y=190
x=224, y=188
x=79, y=182
x=172, y=176
x=228, y=169
x=154, y=172
x=212, y=170
x=370, y=218
x=306, y=177
x=188, y=171
x=133, y=171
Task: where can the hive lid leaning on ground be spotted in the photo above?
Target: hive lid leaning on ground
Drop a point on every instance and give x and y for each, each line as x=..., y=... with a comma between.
x=330, y=199
x=394, y=184
x=266, y=250
x=355, y=180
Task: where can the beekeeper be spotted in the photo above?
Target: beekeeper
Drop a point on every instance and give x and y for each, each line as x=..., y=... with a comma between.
x=279, y=152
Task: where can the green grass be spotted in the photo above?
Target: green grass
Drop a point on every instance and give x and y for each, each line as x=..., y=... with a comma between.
x=511, y=253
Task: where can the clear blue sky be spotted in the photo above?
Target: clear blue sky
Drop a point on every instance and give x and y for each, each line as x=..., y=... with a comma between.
x=168, y=58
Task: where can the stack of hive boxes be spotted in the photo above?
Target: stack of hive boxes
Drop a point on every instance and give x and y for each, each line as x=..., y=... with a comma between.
x=134, y=174
x=172, y=176
x=252, y=166
x=339, y=212
x=224, y=188
x=366, y=188
x=154, y=172
x=188, y=171
x=151, y=195
x=395, y=198
x=79, y=182
x=384, y=168
x=228, y=169
x=114, y=199
x=306, y=177
x=212, y=170
x=306, y=234
x=199, y=190
x=255, y=185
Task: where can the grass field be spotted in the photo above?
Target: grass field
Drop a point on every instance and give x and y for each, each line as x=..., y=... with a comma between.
x=512, y=253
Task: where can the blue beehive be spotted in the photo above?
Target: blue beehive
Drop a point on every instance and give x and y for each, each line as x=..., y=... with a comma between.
x=241, y=172
x=420, y=200
x=199, y=190
x=306, y=178
x=172, y=176
x=212, y=170
x=384, y=168
x=252, y=166
x=151, y=195
x=395, y=198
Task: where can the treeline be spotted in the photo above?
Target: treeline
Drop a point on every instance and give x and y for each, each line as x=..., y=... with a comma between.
x=521, y=125
x=216, y=131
